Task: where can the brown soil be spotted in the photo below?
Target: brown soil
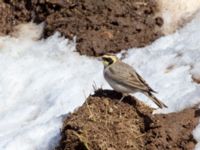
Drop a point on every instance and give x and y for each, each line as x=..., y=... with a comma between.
x=99, y=26
x=103, y=123
x=172, y=131
x=196, y=78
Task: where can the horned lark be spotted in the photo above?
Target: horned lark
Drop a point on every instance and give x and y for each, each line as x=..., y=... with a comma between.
x=123, y=78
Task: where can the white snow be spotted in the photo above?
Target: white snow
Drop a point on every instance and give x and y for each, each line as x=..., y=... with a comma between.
x=177, y=12
x=40, y=81
x=168, y=65
x=43, y=80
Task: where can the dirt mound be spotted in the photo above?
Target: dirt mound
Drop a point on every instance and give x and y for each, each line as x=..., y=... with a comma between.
x=172, y=131
x=99, y=26
x=104, y=123
x=109, y=25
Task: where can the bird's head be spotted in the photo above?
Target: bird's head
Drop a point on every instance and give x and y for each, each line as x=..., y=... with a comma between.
x=109, y=59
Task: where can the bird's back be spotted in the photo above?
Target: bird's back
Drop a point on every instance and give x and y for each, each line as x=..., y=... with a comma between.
x=125, y=75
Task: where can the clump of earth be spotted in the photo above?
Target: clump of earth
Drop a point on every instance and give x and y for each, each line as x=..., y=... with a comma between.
x=105, y=123
x=99, y=26
x=102, y=26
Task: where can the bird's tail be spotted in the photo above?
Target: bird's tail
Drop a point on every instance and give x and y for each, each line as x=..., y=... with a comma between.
x=155, y=100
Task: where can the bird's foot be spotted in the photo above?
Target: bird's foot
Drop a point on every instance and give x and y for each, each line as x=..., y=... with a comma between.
x=123, y=96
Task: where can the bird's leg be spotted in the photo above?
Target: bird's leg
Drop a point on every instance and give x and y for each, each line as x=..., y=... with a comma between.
x=121, y=99
x=123, y=96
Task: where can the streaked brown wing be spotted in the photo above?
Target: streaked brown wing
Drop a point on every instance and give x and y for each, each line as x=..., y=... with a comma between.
x=142, y=81
x=126, y=75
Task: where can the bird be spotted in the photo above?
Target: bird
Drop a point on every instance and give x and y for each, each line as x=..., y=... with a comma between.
x=124, y=79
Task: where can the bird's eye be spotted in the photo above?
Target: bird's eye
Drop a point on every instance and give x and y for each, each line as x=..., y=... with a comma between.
x=109, y=60
x=105, y=58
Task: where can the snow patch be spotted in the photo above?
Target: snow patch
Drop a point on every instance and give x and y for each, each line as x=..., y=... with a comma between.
x=43, y=80
x=168, y=66
x=177, y=12
x=40, y=81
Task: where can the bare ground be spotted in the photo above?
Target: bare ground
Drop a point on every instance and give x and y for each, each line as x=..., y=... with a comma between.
x=99, y=26
x=103, y=123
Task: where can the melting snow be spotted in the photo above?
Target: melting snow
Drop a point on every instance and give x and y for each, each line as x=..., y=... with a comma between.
x=40, y=81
